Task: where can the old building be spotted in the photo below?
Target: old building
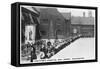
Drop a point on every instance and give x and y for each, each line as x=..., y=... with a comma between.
x=83, y=25
x=52, y=24
x=29, y=24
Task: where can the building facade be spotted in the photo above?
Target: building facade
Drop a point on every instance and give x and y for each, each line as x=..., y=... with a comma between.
x=83, y=25
x=29, y=25
x=53, y=25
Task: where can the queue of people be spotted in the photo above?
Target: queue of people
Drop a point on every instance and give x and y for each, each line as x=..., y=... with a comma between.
x=44, y=49
x=39, y=50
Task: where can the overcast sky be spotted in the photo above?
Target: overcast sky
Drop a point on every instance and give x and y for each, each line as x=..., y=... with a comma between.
x=74, y=12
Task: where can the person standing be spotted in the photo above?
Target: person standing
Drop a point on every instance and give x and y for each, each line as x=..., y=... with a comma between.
x=33, y=53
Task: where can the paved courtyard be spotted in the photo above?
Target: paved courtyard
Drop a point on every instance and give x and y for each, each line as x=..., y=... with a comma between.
x=83, y=47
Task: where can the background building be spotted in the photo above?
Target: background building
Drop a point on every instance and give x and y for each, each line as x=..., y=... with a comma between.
x=53, y=24
x=82, y=25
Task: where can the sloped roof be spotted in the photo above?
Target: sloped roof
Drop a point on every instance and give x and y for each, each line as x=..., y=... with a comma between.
x=32, y=9
x=79, y=19
x=75, y=20
x=87, y=20
x=52, y=12
x=66, y=15
x=82, y=20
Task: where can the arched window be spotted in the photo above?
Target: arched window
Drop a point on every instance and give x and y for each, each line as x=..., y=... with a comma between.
x=58, y=32
x=43, y=32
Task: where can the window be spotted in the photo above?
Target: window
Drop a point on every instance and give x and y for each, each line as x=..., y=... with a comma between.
x=44, y=20
x=43, y=32
x=58, y=32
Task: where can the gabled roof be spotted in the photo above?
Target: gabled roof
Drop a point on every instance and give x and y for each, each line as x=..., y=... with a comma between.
x=82, y=20
x=51, y=12
x=79, y=19
x=75, y=20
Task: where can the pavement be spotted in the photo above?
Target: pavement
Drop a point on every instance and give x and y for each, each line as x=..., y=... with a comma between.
x=82, y=47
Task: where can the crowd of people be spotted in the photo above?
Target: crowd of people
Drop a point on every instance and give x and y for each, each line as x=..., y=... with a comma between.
x=44, y=49
x=41, y=49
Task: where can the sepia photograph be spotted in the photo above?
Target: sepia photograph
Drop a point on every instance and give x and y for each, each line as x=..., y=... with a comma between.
x=56, y=34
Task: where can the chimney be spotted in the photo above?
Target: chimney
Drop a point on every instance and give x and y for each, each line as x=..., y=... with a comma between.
x=90, y=14
x=83, y=14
